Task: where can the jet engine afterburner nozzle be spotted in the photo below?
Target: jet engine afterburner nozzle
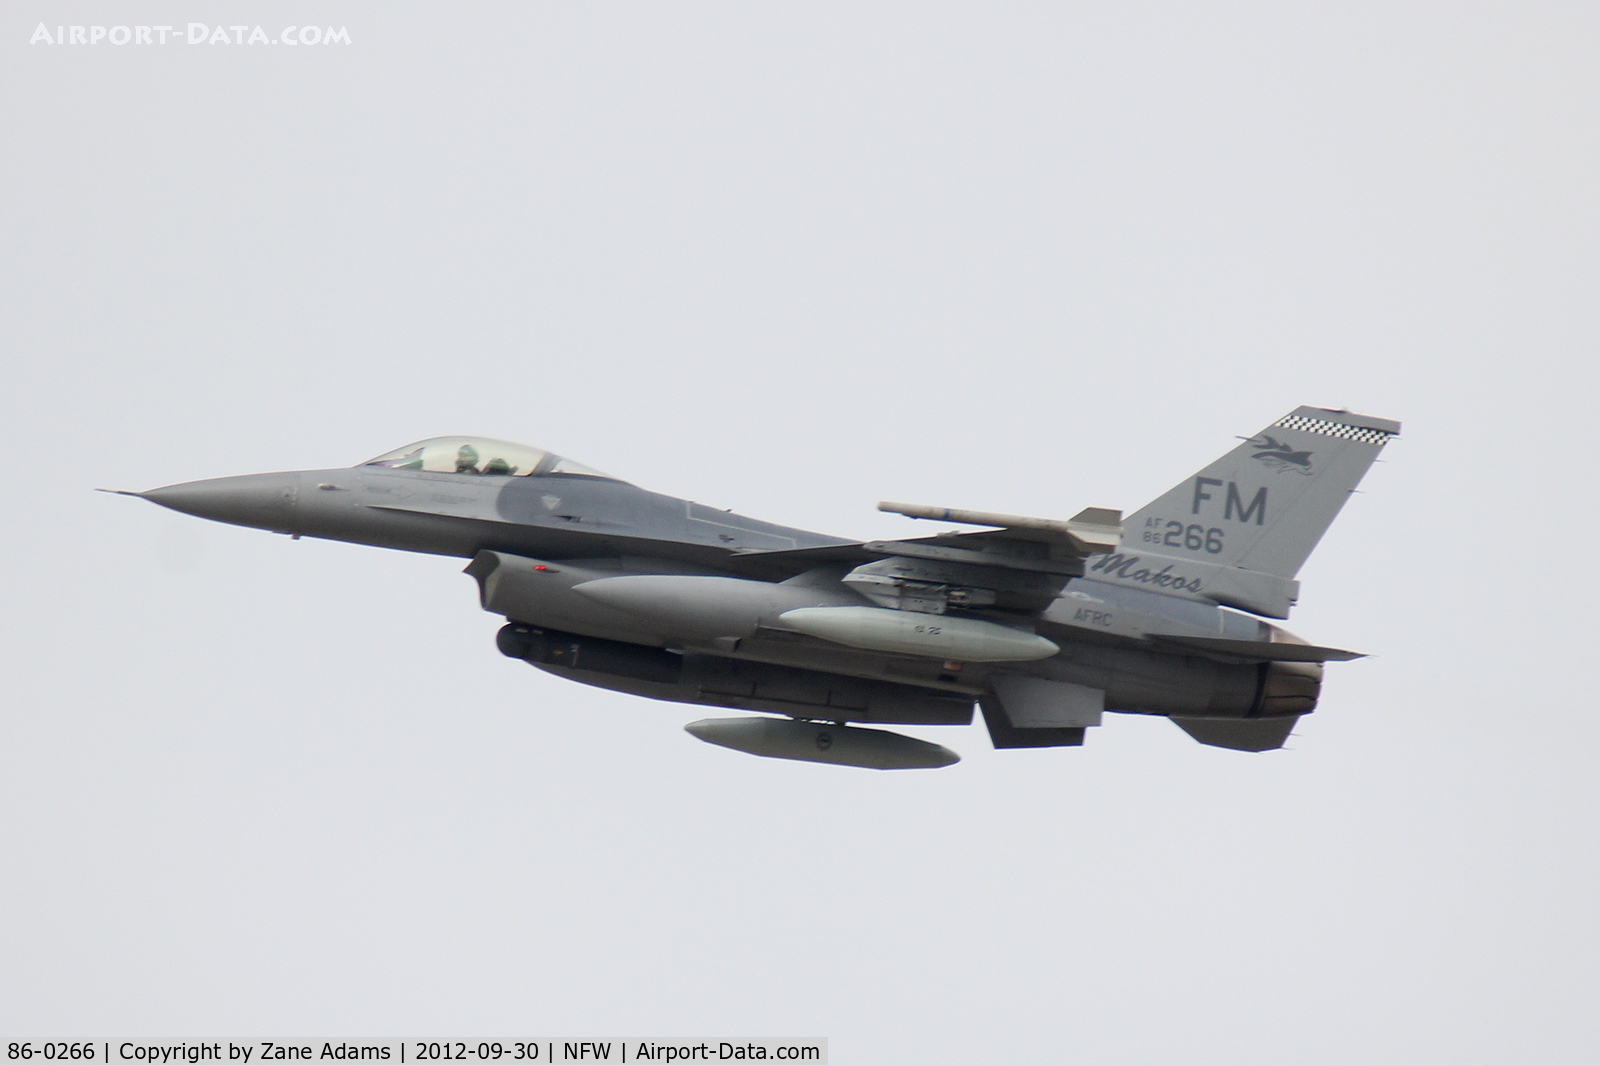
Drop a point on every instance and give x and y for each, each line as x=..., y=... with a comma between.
x=1289, y=688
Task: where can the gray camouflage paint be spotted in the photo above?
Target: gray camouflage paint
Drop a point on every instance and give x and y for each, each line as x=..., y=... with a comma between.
x=1166, y=624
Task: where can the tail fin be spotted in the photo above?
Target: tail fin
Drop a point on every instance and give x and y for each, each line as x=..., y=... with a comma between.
x=1258, y=510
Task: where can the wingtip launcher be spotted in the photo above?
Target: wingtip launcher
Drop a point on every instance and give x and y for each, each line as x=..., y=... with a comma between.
x=1092, y=531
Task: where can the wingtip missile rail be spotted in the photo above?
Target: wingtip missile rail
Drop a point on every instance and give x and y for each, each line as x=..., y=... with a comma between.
x=1092, y=531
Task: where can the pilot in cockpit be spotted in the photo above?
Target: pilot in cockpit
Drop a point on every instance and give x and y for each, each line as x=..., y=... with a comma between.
x=466, y=455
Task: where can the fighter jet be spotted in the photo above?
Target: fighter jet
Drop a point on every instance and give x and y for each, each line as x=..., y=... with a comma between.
x=1044, y=624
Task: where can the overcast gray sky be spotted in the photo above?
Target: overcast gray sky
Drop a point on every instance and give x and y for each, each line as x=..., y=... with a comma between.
x=793, y=259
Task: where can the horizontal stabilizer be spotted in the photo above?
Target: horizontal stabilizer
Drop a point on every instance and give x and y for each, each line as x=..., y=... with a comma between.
x=1259, y=651
x=1249, y=734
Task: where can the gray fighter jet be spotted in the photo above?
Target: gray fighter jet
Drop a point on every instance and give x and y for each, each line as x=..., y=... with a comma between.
x=1044, y=624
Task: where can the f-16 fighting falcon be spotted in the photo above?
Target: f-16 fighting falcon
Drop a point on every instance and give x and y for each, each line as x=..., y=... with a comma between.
x=1045, y=624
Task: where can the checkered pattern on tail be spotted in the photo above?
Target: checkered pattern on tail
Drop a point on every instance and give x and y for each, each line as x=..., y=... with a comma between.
x=1333, y=429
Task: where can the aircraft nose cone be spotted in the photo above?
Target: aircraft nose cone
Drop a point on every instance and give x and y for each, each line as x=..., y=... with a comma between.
x=267, y=501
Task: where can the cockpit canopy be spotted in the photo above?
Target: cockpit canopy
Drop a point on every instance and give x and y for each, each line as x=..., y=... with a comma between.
x=480, y=455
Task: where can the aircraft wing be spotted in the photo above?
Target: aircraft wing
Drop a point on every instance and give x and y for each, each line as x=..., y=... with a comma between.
x=781, y=563
x=1022, y=565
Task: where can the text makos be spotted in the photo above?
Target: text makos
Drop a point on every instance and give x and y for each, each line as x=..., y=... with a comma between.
x=1123, y=566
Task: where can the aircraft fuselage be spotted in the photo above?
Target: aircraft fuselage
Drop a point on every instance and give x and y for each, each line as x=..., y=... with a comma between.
x=1044, y=623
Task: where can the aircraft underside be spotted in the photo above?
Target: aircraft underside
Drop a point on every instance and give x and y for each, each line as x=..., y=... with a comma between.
x=553, y=625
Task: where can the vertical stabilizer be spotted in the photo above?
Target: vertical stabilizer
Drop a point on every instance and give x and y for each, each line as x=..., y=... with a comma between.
x=1249, y=520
